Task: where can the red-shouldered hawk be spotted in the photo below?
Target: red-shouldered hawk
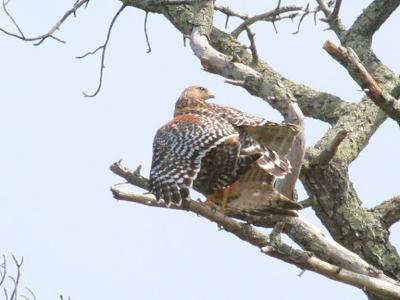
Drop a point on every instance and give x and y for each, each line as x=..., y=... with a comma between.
x=208, y=147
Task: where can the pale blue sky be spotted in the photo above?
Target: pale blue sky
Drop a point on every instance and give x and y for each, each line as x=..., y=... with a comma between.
x=56, y=207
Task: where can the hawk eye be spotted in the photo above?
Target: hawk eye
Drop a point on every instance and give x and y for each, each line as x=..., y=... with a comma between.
x=202, y=89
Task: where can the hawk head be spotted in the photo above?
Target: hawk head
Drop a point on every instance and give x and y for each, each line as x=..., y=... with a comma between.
x=193, y=96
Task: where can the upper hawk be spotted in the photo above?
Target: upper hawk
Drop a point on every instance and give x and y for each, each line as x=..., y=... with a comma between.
x=208, y=147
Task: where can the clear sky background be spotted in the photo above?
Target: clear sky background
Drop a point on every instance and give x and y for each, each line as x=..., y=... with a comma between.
x=56, y=146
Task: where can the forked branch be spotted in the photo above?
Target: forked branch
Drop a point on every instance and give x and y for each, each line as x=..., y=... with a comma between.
x=50, y=34
x=270, y=16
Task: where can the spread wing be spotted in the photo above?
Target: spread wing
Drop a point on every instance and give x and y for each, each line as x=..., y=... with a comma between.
x=178, y=148
x=258, y=135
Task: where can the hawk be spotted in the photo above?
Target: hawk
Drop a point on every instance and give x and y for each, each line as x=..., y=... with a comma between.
x=209, y=147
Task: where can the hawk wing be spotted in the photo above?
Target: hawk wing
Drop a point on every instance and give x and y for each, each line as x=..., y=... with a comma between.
x=178, y=148
x=259, y=135
x=274, y=136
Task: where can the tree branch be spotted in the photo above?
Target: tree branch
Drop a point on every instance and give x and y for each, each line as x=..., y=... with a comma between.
x=298, y=229
x=372, y=282
x=372, y=19
x=270, y=16
x=349, y=59
x=388, y=211
x=41, y=38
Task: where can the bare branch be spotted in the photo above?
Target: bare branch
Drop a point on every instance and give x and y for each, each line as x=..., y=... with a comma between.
x=132, y=177
x=41, y=38
x=298, y=229
x=89, y=53
x=274, y=248
x=103, y=51
x=349, y=59
x=270, y=16
x=306, y=261
x=389, y=211
x=5, y=3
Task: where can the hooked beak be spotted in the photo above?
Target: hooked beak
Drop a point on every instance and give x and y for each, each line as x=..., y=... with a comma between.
x=210, y=95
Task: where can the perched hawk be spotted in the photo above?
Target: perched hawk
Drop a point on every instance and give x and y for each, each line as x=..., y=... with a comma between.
x=209, y=147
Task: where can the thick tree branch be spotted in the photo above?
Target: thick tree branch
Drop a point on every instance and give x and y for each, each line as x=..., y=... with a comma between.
x=349, y=59
x=389, y=211
x=372, y=19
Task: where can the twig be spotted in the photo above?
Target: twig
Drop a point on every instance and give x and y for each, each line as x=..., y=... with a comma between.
x=103, y=51
x=16, y=280
x=253, y=47
x=306, y=10
x=41, y=38
x=329, y=152
x=89, y=53
x=349, y=59
x=145, y=33
x=389, y=211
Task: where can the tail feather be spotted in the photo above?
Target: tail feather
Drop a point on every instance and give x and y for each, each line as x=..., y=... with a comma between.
x=259, y=199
